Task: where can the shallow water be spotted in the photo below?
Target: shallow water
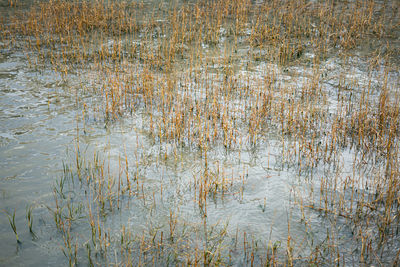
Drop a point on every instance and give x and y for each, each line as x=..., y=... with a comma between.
x=43, y=120
x=39, y=126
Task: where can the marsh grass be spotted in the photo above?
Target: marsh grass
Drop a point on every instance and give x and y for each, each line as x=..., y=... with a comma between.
x=212, y=76
x=29, y=218
x=11, y=220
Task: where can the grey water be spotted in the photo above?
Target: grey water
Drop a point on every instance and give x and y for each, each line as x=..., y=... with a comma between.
x=41, y=124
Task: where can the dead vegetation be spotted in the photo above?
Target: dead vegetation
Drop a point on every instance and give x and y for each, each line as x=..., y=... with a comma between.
x=229, y=75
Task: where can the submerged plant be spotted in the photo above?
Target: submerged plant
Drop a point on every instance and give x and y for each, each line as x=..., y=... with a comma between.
x=182, y=70
x=11, y=219
x=29, y=218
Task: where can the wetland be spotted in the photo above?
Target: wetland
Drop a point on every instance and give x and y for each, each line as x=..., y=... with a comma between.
x=215, y=133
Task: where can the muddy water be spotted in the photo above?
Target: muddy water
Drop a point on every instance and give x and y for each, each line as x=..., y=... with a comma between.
x=37, y=125
x=41, y=124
